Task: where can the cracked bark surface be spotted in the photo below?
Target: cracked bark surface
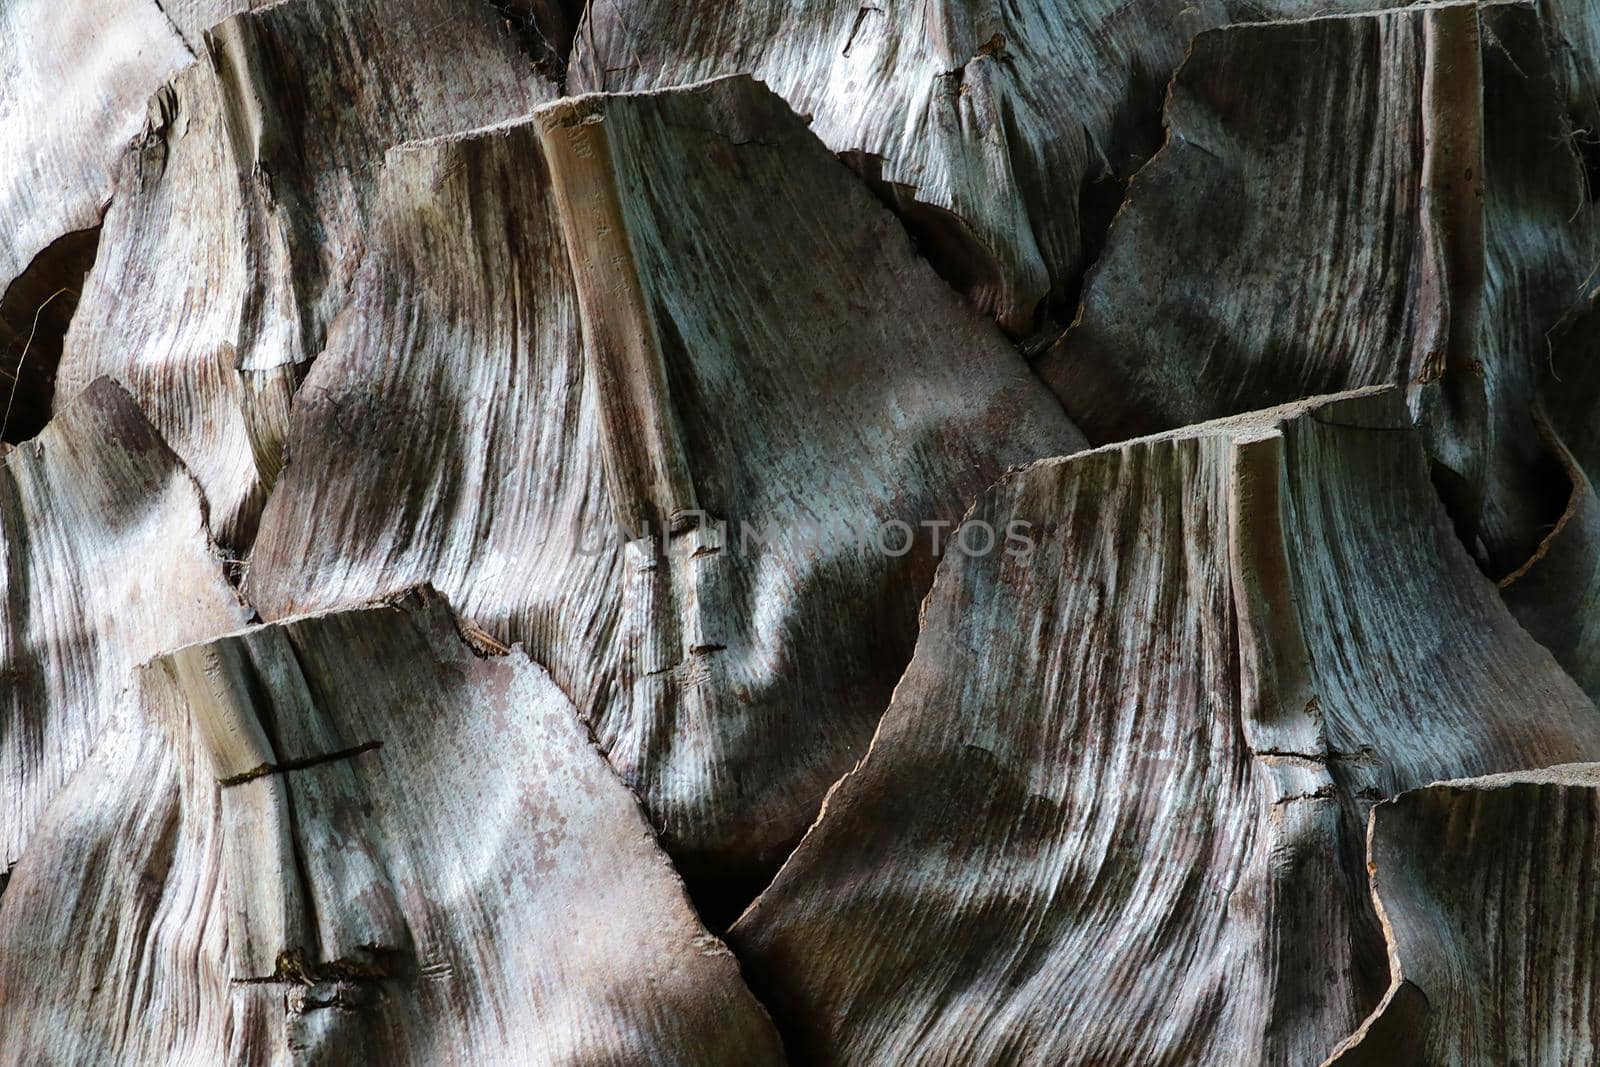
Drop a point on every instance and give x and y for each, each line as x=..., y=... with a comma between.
x=273, y=139
x=1155, y=742
x=630, y=498
x=351, y=899
x=988, y=124
x=1486, y=886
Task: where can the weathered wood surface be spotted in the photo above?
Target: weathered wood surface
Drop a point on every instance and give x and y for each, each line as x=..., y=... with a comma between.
x=1347, y=202
x=989, y=124
x=665, y=504
x=107, y=562
x=351, y=838
x=240, y=214
x=684, y=388
x=1154, y=742
x=1242, y=270
x=1410, y=213
x=1487, y=889
x=74, y=78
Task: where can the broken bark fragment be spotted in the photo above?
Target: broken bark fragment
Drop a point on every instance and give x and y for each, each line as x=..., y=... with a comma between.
x=107, y=562
x=468, y=883
x=990, y=121
x=240, y=215
x=1339, y=205
x=1154, y=740
x=1486, y=887
x=73, y=81
x=74, y=77
x=677, y=508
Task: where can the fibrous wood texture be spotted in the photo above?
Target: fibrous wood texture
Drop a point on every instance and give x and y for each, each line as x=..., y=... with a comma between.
x=1153, y=855
x=1245, y=268
x=769, y=384
x=1487, y=887
x=746, y=532
x=329, y=853
x=1556, y=593
x=75, y=77
x=273, y=138
x=107, y=562
x=989, y=123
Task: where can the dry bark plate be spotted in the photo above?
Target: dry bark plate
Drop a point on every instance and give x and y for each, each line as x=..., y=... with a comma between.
x=240, y=214
x=984, y=121
x=1154, y=742
x=1346, y=202
x=1487, y=888
x=349, y=838
x=761, y=351
x=106, y=562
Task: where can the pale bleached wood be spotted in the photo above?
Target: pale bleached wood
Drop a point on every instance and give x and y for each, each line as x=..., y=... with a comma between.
x=420, y=858
x=113, y=940
x=1487, y=888
x=73, y=82
x=107, y=561
x=761, y=351
x=74, y=77
x=240, y=215
x=989, y=124
x=1154, y=741
x=1410, y=213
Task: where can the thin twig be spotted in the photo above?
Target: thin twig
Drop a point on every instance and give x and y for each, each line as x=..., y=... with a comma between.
x=16, y=375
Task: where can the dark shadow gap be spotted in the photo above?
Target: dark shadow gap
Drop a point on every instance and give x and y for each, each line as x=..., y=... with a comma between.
x=34, y=315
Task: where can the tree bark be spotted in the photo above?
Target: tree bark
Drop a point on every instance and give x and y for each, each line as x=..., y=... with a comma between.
x=747, y=532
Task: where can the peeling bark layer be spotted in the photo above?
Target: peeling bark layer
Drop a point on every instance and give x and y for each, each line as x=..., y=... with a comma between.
x=239, y=216
x=988, y=123
x=1486, y=887
x=1155, y=740
x=331, y=799
x=1348, y=202
x=671, y=515
x=73, y=81
x=107, y=562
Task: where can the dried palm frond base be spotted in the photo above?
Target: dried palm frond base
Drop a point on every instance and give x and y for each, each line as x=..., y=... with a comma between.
x=751, y=531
